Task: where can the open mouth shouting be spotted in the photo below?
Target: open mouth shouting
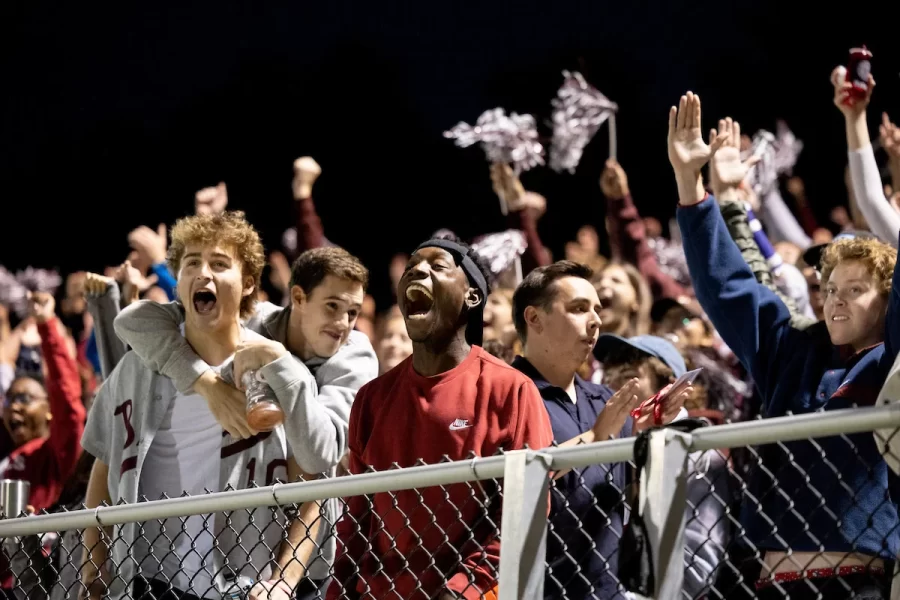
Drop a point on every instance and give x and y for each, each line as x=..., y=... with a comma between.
x=419, y=301
x=16, y=422
x=204, y=302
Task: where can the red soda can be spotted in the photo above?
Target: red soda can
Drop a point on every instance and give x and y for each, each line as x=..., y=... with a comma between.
x=858, y=70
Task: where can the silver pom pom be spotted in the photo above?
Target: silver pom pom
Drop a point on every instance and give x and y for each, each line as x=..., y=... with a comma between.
x=579, y=110
x=762, y=176
x=14, y=288
x=671, y=260
x=778, y=155
x=12, y=293
x=509, y=139
x=787, y=149
x=501, y=250
x=39, y=280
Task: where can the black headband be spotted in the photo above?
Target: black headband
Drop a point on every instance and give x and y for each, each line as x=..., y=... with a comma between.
x=473, y=273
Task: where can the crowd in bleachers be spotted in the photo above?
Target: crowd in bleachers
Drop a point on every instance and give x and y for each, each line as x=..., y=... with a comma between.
x=128, y=385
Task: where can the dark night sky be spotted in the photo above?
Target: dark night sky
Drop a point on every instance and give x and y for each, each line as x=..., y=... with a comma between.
x=113, y=116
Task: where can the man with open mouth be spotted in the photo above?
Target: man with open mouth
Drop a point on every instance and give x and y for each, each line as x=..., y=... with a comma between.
x=327, y=290
x=152, y=441
x=450, y=399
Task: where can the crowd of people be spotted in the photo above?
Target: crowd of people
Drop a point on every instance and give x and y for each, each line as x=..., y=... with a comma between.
x=128, y=386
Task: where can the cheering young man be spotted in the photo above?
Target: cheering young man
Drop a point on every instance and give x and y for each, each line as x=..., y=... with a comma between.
x=152, y=441
x=450, y=399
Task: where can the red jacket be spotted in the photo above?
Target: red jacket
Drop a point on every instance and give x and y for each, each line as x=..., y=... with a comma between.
x=414, y=544
x=48, y=462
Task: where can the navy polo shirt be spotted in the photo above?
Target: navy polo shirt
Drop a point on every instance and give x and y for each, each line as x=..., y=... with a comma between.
x=587, y=506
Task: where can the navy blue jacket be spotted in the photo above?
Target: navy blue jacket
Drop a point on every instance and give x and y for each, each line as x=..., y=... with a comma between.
x=587, y=506
x=838, y=486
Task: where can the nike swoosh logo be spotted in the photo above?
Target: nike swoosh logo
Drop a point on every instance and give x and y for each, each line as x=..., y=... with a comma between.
x=456, y=427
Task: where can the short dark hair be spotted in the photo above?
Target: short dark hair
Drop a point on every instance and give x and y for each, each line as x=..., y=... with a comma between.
x=537, y=289
x=314, y=265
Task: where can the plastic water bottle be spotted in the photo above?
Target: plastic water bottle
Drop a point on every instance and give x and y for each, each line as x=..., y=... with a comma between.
x=264, y=413
x=236, y=588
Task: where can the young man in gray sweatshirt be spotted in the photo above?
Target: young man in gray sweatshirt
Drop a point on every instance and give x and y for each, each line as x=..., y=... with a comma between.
x=327, y=291
x=151, y=440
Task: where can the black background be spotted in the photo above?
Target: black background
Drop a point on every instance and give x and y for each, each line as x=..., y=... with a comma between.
x=114, y=115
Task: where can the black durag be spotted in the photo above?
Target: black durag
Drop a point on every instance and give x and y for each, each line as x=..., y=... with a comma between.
x=475, y=324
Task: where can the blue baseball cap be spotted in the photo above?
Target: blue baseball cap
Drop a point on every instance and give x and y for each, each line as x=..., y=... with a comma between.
x=609, y=345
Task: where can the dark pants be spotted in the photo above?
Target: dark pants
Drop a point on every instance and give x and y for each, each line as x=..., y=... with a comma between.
x=851, y=587
x=153, y=589
x=312, y=589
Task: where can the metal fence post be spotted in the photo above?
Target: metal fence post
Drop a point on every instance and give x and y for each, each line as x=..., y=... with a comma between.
x=663, y=496
x=523, y=529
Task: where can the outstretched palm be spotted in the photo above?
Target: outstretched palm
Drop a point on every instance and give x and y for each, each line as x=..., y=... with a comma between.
x=687, y=150
x=726, y=169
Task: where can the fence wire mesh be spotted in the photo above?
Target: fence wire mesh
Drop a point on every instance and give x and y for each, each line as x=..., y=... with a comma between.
x=807, y=519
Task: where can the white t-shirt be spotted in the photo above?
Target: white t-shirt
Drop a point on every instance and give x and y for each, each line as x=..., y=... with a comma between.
x=184, y=457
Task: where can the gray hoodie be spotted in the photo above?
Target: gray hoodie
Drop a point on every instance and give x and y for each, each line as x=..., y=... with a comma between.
x=318, y=430
x=120, y=429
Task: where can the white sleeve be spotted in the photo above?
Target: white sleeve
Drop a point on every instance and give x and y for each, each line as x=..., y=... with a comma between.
x=883, y=220
x=781, y=224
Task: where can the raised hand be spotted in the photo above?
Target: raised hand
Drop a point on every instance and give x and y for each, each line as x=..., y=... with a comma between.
x=306, y=171
x=688, y=153
x=507, y=186
x=149, y=244
x=849, y=104
x=96, y=285
x=211, y=200
x=726, y=169
x=613, y=180
x=41, y=306
x=890, y=138
x=133, y=282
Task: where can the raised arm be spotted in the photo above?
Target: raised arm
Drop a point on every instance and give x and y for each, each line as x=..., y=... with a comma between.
x=750, y=317
x=522, y=214
x=780, y=221
x=63, y=385
x=868, y=189
x=310, y=233
x=750, y=240
x=102, y=295
x=628, y=233
x=892, y=323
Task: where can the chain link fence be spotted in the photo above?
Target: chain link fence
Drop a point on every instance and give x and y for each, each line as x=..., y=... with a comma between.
x=735, y=511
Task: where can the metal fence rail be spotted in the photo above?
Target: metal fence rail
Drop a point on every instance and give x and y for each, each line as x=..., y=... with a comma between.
x=524, y=568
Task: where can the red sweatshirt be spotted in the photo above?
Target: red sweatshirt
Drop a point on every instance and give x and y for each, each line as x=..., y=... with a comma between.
x=48, y=462
x=628, y=242
x=535, y=255
x=414, y=544
x=310, y=233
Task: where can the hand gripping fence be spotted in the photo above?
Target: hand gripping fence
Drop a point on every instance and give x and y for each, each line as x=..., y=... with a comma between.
x=744, y=510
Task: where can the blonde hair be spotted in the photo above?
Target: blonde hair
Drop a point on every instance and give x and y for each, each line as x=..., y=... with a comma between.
x=229, y=229
x=878, y=258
